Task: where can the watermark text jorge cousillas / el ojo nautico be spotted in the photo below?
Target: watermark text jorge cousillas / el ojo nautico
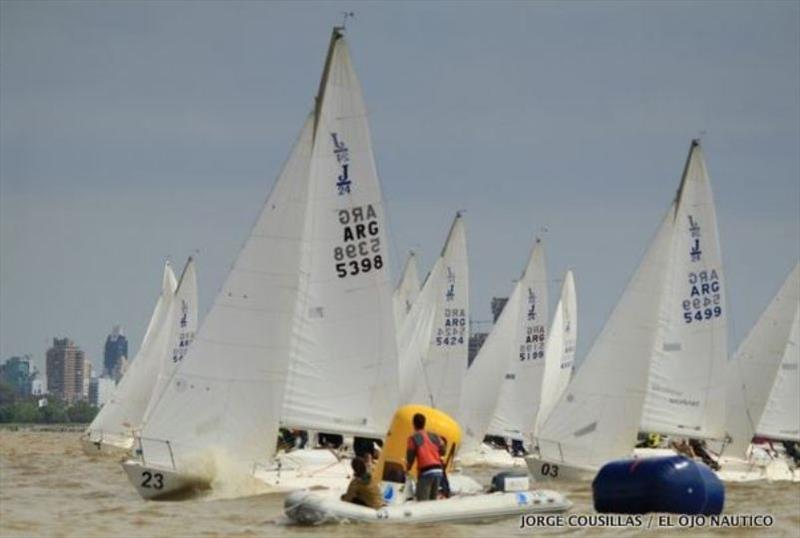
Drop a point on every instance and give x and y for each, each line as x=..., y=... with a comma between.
x=646, y=521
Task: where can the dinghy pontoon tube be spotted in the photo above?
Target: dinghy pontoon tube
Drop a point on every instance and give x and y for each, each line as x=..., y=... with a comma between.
x=307, y=507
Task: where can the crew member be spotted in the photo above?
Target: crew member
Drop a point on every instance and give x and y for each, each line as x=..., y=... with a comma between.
x=361, y=489
x=427, y=449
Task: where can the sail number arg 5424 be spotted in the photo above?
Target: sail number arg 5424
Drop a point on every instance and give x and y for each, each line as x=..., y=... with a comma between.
x=360, y=250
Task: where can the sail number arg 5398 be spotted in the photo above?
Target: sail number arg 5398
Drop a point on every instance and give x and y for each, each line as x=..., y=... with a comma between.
x=360, y=250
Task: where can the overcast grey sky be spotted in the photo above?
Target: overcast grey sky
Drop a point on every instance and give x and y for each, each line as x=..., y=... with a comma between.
x=133, y=131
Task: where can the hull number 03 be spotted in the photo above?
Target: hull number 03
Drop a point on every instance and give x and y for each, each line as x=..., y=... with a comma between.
x=549, y=470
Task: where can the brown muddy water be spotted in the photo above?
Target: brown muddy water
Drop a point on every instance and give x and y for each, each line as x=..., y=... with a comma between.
x=48, y=487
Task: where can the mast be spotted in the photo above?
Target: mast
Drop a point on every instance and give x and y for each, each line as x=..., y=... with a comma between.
x=336, y=34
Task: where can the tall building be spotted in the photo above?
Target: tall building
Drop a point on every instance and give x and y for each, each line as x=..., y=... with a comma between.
x=100, y=390
x=17, y=373
x=115, y=355
x=68, y=370
x=498, y=303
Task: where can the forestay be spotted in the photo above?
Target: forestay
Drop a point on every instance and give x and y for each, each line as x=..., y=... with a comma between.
x=559, y=352
x=436, y=332
x=757, y=364
x=521, y=390
x=123, y=414
x=686, y=388
x=343, y=370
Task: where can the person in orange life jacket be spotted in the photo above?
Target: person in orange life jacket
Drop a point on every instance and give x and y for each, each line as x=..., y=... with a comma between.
x=427, y=449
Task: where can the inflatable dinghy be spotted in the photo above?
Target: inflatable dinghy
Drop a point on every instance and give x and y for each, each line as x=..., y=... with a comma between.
x=315, y=508
x=511, y=495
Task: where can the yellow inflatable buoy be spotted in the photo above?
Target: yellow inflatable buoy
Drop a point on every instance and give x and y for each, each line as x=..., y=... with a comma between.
x=391, y=465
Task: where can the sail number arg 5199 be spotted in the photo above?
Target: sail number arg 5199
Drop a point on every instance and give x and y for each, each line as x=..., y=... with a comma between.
x=360, y=250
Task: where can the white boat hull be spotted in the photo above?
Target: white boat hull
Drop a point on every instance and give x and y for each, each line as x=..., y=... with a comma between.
x=157, y=483
x=544, y=470
x=314, y=508
x=487, y=456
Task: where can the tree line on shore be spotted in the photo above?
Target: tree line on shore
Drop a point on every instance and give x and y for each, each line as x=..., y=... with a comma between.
x=30, y=409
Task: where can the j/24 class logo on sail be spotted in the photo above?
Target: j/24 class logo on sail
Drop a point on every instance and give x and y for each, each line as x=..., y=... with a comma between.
x=342, y=154
x=360, y=248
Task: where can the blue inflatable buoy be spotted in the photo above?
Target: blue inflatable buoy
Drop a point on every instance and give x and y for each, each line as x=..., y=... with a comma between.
x=672, y=484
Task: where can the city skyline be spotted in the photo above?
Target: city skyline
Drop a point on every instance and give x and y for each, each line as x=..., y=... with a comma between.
x=162, y=127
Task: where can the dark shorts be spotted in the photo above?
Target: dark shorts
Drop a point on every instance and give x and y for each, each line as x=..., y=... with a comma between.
x=428, y=486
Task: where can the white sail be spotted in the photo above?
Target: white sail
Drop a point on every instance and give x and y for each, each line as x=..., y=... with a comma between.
x=781, y=418
x=597, y=417
x=433, y=371
x=182, y=321
x=122, y=415
x=486, y=376
x=406, y=292
x=343, y=370
x=560, y=351
x=227, y=392
x=686, y=389
x=520, y=393
x=755, y=366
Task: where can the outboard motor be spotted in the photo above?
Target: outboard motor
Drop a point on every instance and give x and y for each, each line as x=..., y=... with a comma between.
x=510, y=481
x=672, y=484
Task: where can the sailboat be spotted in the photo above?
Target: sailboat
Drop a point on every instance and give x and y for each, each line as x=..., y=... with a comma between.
x=302, y=332
x=763, y=390
x=167, y=337
x=671, y=314
x=406, y=292
x=518, y=359
x=435, y=335
x=515, y=346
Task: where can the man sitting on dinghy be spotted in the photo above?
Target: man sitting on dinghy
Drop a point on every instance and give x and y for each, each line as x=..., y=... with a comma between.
x=427, y=449
x=361, y=489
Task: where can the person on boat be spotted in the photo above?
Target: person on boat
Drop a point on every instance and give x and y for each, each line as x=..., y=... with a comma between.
x=699, y=448
x=793, y=451
x=682, y=446
x=366, y=449
x=427, y=450
x=362, y=490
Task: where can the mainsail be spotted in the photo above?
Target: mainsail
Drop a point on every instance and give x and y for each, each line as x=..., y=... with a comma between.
x=757, y=368
x=343, y=368
x=123, y=414
x=506, y=345
x=435, y=336
x=518, y=401
x=686, y=389
x=559, y=353
x=406, y=292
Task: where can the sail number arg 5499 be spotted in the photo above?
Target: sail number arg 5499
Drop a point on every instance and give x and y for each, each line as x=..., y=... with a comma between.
x=705, y=296
x=360, y=251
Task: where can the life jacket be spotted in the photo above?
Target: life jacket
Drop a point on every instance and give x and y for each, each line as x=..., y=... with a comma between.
x=426, y=446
